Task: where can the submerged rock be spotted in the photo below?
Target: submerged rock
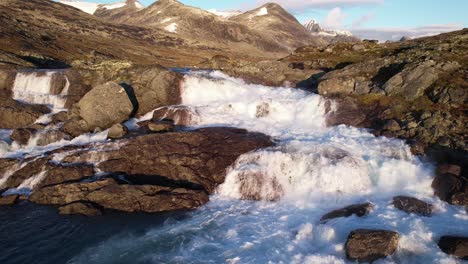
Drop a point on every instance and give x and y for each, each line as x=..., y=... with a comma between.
x=412, y=205
x=365, y=245
x=359, y=210
x=456, y=246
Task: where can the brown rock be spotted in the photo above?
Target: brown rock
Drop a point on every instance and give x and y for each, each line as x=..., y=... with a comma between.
x=412, y=205
x=60, y=117
x=18, y=115
x=8, y=200
x=51, y=136
x=365, y=245
x=78, y=208
x=460, y=199
x=391, y=125
x=22, y=135
x=75, y=127
x=117, y=131
x=105, y=105
x=456, y=246
x=446, y=185
x=359, y=210
x=161, y=126
x=347, y=112
x=449, y=168
x=182, y=115
x=199, y=157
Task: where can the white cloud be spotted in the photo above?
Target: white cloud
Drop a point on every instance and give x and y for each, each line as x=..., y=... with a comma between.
x=305, y=4
x=334, y=19
x=362, y=20
x=395, y=34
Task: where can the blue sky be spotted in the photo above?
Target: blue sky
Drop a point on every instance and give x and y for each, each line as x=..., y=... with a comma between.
x=396, y=17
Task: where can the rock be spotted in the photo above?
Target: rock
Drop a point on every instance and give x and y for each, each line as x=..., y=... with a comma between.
x=22, y=135
x=75, y=127
x=105, y=105
x=197, y=157
x=358, y=47
x=347, y=111
x=128, y=198
x=365, y=245
x=445, y=185
x=391, y=125
x=8, y=200
x=449, y=168
x=117, y=131
x=79, y=209
x=60, y=117
x=161, y=126
x=47, y=137
x=182, y=115
x=412, y=205
x=154, y=87
x=456, y=246
x=460, y=199
x=359, y=210
x=18, y=115
x=7, y=78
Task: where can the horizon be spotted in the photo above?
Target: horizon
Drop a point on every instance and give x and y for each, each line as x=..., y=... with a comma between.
x=371, y=19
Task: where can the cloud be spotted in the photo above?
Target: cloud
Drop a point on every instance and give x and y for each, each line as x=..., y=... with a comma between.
x=299, y=5
x=394, y=34
x=334, y=19
x=362, y=20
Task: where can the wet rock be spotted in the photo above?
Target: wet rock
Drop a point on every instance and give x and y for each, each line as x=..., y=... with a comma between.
x=449, y=168
x=75, y=127
x=359, y=210
x=197, y=157
x=460, y=199
x=60, y=117
x=117, y=131
x=22, y=135
x=105, y=105
x=456, y=246
x=347, y=111
x=128, y=198
x=8, y=200
x=365, y=245
x=412, y=205
x=165, y=125
x=258, y=187
x=18, y=115
x=45, y=138
x=446, y=185
x=78, y=208
x=182, y=115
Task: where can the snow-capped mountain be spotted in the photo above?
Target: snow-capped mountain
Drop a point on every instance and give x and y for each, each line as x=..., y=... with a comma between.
x=224, y=14
x=314, y=27
x=91, y=8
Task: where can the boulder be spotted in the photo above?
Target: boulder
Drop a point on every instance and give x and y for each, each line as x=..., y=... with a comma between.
x=165, y=125
x=365, y=245
x=22, y=135
x=412, y=205
x=8, y=200
x=154, y=87
x=105, y=105
x=460, y=199
x=197, y=157
x=391, y=125
x=7, y=79
x=75, y=127
x=47, y=137
x=14, y=114
x=182, y=115
x=60, y=117
x=359, y=210
x=128, y=198
x=446, y=185
x=347, y=111
x=117, y=131
x=456, y=246
x=449, y=168
x=79, y=208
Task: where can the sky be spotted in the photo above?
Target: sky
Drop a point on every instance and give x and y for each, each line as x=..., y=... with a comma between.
x=374, y=19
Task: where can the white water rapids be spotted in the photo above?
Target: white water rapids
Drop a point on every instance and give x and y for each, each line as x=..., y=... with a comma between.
x=311, y=170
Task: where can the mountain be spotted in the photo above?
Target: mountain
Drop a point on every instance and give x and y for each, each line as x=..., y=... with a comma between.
x=91, y=8
x=116, y=10
x=314, y=28
x=274, y=21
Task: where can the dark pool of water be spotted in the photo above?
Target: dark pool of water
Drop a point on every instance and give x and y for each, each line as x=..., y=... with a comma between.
x=37, y=234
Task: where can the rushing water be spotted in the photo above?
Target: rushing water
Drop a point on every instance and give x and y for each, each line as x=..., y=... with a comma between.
x=311, y=170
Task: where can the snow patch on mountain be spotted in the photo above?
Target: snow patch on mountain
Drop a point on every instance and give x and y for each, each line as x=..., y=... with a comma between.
x=314, y=28
x=224, y=14
x=262, y=12
x=90, y=8
x=171, y=28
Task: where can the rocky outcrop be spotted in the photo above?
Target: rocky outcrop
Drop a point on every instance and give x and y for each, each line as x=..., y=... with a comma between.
x=359, y=210
x=456, y=246
x=14, y=114
x=198, y=157
x=412, y=205
x=365, y=245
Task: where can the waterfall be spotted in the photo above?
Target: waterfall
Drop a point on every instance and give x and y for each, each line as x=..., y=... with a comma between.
x=37, y=87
